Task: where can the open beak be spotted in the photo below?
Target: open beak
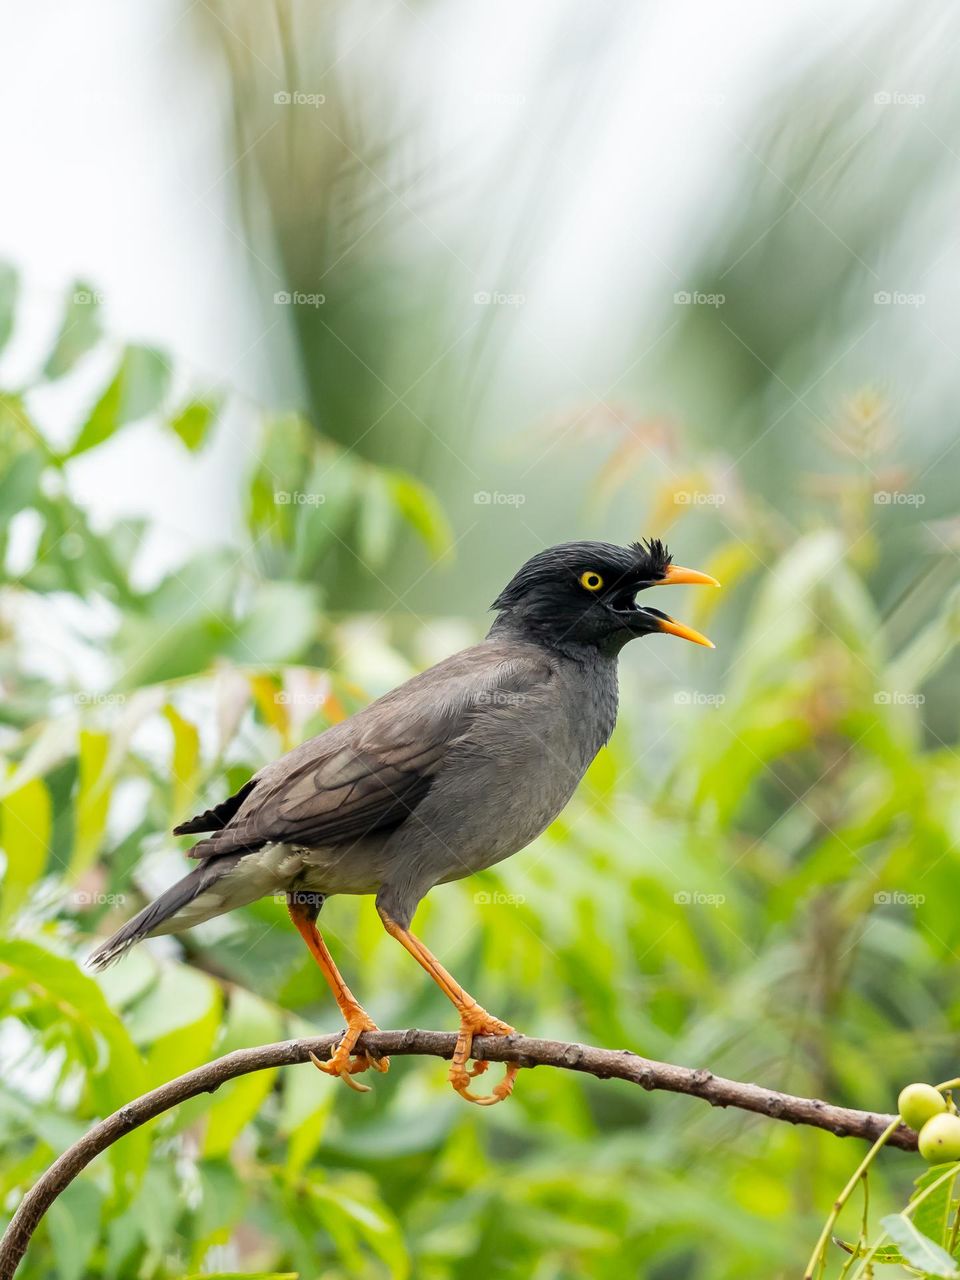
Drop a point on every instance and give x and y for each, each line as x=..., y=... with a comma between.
x=681, y=629
x=676, y=575
x=642, y=620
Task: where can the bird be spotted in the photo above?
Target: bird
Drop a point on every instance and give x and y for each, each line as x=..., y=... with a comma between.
x=449, y=773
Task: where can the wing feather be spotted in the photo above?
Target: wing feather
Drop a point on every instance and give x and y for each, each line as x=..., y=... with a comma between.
x=369, y=773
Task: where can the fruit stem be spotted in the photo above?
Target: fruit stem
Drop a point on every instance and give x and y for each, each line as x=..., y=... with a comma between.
x=904, y=1213
x=951, y=1248
x=864, y=1226
x=818, y=1257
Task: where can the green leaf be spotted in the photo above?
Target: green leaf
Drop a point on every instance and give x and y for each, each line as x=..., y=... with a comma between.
x=20, y=484
x=93, y=800
x=178, y=1018
x=919, y=1250
x=54, y=985
x=244, y=1275
x=225, y=1204
x=136, y=389
x=74, y=1223
x=124, y=984
x=257, y=640
x=887, y=1254
x=157, y=1208
x=422, y=511
x=372, y=1224
x=25, y=826
x=318, y=517
x=929, y=647
x=192, y=421
x=250, y=1021
x=124, y=1233
x=376, y=517
x=79, y=331
x=9, y=287
x=179, y=998
x=55, y=743
x=185, y=765
x=236, y=1105
x=932, y=1215
x=305, y=1111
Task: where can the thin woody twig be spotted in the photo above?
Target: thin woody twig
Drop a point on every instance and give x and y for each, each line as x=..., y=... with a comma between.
x=604, y=1064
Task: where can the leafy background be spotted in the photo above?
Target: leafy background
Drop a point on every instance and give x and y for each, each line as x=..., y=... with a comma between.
x=758, y=875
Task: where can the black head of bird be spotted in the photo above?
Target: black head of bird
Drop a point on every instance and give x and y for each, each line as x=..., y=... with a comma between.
x=455, y=770
x=584, y=594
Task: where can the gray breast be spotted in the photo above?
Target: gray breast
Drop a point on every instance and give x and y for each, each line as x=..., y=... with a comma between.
x=510, y=776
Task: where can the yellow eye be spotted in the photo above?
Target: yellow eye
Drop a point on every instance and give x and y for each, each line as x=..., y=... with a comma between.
x=592, y=581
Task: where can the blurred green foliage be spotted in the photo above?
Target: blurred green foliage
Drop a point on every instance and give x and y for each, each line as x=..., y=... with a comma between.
x=758, y=875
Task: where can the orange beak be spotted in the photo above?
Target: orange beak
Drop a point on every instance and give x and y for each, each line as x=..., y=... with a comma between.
x=681, y=629
x=677, y=576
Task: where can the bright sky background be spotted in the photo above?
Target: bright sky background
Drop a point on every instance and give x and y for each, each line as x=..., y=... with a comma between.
x=120, y=171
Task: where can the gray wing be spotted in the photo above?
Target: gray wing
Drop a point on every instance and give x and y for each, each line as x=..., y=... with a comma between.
x=368, y=774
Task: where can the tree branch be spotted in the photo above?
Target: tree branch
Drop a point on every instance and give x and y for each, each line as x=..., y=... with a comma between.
x=604, y=1064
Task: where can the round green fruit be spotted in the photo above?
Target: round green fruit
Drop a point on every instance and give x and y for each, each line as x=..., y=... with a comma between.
x=940, y=1139
x=919, y=1103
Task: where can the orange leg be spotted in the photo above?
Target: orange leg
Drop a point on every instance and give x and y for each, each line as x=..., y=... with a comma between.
x=303, y=913
x=474, y=1020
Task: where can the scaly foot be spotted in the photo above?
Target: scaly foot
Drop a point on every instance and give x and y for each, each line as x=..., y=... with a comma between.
x=343, y=1062
x=475, y=1021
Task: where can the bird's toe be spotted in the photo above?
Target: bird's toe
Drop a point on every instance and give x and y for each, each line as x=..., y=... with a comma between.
x=475, y=1021
x=346, y=1063
x=499, y=1093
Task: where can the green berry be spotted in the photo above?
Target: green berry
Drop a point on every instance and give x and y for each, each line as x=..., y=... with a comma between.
x=919, y=1103
x=940, y=1139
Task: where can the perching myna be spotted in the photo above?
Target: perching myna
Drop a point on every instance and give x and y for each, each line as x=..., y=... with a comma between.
x=453, y=771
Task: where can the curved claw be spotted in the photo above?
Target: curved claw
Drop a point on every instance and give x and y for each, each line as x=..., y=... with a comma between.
x=346, y=1075
x=366, y=1062
x=345, y=1064
x=475, y=1021
x=345, y=1072
x=500, y=1092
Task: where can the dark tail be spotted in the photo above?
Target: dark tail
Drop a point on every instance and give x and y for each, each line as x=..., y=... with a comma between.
x=216, y=819
x=152, y=917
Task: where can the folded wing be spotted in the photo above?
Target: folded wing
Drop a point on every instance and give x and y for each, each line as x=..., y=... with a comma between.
x=368, y=774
